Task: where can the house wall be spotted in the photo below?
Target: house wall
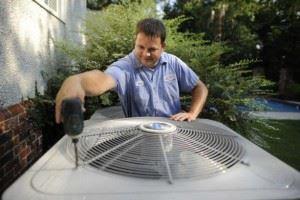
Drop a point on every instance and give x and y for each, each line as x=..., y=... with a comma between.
x=27, y=34
x=20, y=143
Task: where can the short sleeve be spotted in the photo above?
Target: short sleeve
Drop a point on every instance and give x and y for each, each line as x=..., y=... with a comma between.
x=187, y=78
x=119, y=76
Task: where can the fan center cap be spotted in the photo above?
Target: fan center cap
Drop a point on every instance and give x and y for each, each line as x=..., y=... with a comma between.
x=158, y=127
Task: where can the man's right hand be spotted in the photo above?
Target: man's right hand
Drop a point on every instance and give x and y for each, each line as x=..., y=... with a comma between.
x=71, y=88
x=90, y=83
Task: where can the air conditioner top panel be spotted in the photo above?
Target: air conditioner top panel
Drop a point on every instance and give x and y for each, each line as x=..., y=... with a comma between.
x=256, y=175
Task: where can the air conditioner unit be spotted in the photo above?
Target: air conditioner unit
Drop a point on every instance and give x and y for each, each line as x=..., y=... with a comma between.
x=156, y=158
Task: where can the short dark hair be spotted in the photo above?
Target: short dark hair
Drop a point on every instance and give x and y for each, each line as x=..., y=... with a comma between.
x=152, y=27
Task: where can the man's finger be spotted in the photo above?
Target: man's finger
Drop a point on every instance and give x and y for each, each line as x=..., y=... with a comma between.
x=175, y=117
x=183, y=117
x=179, y=117
x=57, y=113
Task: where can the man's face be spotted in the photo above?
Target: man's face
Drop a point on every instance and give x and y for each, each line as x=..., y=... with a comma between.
x=148, y=49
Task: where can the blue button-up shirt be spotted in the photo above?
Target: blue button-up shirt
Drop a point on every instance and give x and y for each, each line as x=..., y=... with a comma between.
x=155, y=91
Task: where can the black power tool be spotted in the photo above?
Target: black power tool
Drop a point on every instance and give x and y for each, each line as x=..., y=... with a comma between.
x=71, y=110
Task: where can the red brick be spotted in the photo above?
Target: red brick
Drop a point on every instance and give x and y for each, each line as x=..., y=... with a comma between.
x=2, y=127
x=22, y=145
x=23, y=164
x=15, y=140
x=17, y=130
x=23, y=117
x=16, y=149
x=24, y=153
x=5, y=158
x=40, y=140
x=2, y=172
x=4, y=114
x=18, y=155
x=9, y=177
x=5, y=137
x=16, y=109
x=9, y=146
x=2, y=149
x=11, y=123
x=26, y=104
x=25, y=126
x=10, y=165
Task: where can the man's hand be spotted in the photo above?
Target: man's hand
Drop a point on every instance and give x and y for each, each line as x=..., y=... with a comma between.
x=90, y=83
x=182, y=116
x=199, y=95
x=71, y=88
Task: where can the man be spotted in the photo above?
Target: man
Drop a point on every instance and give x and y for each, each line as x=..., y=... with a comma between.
x=148, y=80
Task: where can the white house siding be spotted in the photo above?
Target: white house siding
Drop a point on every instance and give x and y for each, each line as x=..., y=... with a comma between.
x=27, y=31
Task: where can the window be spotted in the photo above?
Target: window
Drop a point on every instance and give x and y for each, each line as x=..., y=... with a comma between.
x=51, y=6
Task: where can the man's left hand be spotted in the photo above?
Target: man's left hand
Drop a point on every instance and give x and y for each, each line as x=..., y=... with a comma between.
x=183, y=116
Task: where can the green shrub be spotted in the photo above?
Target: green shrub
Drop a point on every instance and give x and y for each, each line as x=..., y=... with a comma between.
x=293, y=90
x=110, y=35
x=229, y=86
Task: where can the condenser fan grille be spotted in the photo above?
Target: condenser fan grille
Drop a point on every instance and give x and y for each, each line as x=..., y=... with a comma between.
x=181, y=153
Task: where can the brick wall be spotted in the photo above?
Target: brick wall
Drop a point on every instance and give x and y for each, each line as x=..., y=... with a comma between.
x=20, y=143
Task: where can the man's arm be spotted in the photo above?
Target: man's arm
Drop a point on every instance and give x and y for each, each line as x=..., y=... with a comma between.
x=91, y=83
x=199, y=95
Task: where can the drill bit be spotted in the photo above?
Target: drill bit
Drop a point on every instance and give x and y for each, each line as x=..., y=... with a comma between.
x=75, y=141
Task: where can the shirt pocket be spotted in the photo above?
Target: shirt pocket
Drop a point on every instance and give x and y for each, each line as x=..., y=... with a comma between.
x=141, y=96
x=171, y=87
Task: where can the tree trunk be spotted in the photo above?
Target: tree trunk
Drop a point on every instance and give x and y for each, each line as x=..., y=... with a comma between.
x=282, y=83
x=220, y=23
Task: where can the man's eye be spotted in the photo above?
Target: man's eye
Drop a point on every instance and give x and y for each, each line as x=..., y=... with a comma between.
x=152, y=50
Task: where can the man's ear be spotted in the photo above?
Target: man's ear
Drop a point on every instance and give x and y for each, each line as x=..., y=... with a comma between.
x=163, y=45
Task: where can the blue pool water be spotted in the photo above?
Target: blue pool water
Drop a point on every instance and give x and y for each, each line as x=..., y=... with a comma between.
x=279, y=106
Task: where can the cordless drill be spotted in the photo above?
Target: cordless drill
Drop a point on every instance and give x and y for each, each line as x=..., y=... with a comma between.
x=72, y=114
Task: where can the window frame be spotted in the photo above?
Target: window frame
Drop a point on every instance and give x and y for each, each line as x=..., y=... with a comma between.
x=56, y=13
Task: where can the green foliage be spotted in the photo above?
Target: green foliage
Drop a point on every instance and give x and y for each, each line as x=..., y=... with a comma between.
x=191, y=47
x=233, y=86
x=110, y=35
x=221, y=20
x=293, y=89
x=100, y=4
x=229, y=86
x=41, y=113
x=264, y=30
x=277, y=24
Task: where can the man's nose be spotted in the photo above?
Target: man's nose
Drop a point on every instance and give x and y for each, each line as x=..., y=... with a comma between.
x=146, y=53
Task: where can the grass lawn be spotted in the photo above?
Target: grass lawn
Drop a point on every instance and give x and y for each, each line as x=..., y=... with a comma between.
x=282, y=142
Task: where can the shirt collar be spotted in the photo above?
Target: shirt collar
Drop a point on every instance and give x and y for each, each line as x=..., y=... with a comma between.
x=138, y=65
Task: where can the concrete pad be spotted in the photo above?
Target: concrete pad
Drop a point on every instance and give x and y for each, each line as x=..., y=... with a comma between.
x=277, y=115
